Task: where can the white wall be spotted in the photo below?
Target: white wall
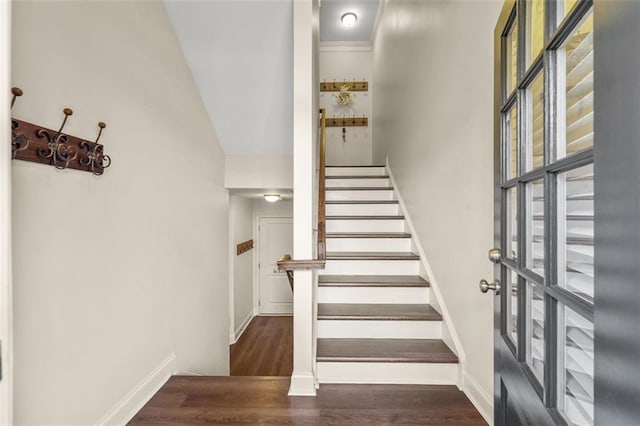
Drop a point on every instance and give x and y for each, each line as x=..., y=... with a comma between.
x=113, y=274
x=433, y=101
x=259, y=171
x=240, y=54
x=241, y=229
x=341, y=63
x=6, y=315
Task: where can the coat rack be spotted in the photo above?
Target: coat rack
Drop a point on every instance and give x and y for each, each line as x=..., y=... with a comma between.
x=37, y=144
x=347, y=121
x=336, y=86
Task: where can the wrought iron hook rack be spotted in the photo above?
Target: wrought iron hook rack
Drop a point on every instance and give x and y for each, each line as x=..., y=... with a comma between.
x=34, y=143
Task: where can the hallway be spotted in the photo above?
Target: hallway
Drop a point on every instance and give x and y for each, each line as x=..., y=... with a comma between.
x=265, y=348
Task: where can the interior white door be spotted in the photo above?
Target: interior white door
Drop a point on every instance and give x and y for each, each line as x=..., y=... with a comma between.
x=275, y=239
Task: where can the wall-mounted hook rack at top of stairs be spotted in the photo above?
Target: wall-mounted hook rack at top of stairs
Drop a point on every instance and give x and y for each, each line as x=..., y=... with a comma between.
x=347, y=121
x=336, y=86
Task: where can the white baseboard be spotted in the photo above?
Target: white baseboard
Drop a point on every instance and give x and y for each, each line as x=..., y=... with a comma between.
x=242, y=327
x=126, y=408
x=302, y=385
x=478, y=397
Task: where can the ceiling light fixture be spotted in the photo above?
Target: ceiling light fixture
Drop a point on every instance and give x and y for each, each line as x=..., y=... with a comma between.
x=272, y=198
x=349, y=19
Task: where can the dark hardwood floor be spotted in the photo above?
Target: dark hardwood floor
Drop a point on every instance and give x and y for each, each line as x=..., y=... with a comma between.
x=264, y=400
x=264, y=349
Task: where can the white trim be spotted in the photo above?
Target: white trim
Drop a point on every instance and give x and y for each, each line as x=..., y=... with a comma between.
x=447, y=322
x=480, y=398
x=345, y=46
x=231, y=269
x=242, y=327
x=387, y=373
x=126, y=408
x=302, y=385
x=6, y=285
x=376, y=23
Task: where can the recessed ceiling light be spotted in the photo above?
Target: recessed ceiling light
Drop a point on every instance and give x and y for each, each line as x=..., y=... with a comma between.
x=349, y=19
x=272, y=198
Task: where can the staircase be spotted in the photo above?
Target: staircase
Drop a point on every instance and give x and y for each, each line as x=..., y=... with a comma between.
x=375, y=320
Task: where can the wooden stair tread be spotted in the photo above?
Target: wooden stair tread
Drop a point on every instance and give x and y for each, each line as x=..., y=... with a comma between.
x=372, y=255
x=361, y=202
x=368, y=312
x=366, y=217
x=372, y=281
x=358, y=177
x=359, y=188
x=368, y=235
x=384, y=350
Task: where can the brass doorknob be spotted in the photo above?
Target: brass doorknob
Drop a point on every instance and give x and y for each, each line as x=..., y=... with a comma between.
x=494, y=286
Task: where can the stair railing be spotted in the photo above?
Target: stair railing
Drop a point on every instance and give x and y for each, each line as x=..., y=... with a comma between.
x=286, y=263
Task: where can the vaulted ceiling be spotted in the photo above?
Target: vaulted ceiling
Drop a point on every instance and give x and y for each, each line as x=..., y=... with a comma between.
x=240, y=53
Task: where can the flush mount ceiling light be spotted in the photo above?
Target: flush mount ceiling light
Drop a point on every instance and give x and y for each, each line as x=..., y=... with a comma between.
x=272, y=198
x=349, y=19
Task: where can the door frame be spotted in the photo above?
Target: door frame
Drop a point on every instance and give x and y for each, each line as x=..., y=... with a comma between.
x=6, y=303
x=256, y=268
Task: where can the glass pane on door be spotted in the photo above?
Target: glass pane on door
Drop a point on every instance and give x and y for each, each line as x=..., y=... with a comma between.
x=535, y=129
x=535, y=330
x=535, y=226
x=511, y=138
x=535, y=29
x=511, y=61
x=512, y=224
x=576, y=367
x=564, y=7
x=576, y=57
x=575, y=231
x=512, y=306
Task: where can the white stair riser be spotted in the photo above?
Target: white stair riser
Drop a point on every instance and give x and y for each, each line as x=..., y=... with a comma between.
x=358, y=182
x=368, y=244
x=355, y=171
x=387, y=373
x=408, y=295
x=379, y=329
x=362, y=194
x=362, y=209
x=371, y=267
x=365, y=225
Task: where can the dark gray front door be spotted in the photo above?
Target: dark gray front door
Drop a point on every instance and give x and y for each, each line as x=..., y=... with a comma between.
x=567, y=207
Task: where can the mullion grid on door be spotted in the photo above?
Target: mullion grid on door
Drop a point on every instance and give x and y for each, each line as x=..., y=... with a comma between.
x=548, y=64
x=555, y=296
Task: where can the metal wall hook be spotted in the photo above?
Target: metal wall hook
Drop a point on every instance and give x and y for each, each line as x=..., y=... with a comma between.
x=60, y=154
x=101, y=125
x=16, y=92
x=96, y=160
x=67, y=112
